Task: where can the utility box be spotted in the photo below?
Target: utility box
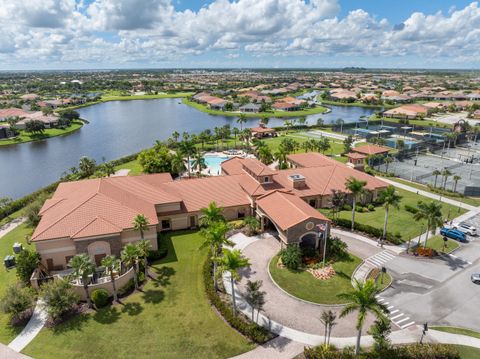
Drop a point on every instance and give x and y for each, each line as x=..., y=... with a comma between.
x=17, y=248
x=9, y=261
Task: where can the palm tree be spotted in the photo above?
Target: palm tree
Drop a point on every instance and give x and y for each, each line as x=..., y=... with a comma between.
x=436, y=173
x=356, y=187
x=255, y=297
x=281, y=157
x=252, y=223
x=302, y=120
x=175, y=136
x=130, y=255
x=328, y=320
x=363, y=300
x=241, y=120
x=445, y=173
x=83, y=268
x=111, y=264
x=235, y=132
x=432, y=213
x=387, y=160
x=456, y=178
x=232, y=261
x=264, y=121
x=340, y=122
x=215, y=238
x=187, y=148
x=178, y=163
x=211, y=214
x=144, y=247
x=140, y=223
x=198, y=162
x=338, y=200
x=389, y=197
x=265, y=155
x=87, y=166
x=246, y=135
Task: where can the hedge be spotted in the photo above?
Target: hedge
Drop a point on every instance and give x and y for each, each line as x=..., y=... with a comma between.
x=365, y=228
x=100, y=297
x=251, y=330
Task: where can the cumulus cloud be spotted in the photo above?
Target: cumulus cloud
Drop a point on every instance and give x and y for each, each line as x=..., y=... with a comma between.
x=110, y=32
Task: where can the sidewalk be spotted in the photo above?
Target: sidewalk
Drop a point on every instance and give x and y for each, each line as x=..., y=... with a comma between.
x=33, y=327
x=10, y=226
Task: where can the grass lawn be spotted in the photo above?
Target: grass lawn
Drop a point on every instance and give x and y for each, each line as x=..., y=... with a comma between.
x=387, y=279
x=170, y=318
x=467, y=200
x=436, y=242
x=7, y=333
x=11, y=217
x=49, y=132
x=303, y=285
x=134, y=167
x=308, y=111
x=468, y=352
x=399, y=220
x=461, y=331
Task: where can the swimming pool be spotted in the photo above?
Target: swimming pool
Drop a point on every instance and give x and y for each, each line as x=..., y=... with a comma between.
x=213, y=163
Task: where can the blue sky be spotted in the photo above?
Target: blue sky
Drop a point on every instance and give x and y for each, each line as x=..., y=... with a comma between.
x=244, y=33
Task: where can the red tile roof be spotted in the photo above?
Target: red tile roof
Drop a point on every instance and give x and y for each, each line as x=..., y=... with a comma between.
x=257, y=168
x=371, y=149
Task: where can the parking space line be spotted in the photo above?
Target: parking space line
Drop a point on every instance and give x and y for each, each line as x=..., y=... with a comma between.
x=407, y=325
x=400, y=321
x=394, y=311
x=397, y=316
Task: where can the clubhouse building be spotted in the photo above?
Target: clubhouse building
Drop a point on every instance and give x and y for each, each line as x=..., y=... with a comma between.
x=95, y=216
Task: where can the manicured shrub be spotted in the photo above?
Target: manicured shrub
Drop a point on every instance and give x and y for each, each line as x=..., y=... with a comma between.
x=371, y=207
x=336, y=248
x=59, y=297
x=17, y=300
x=411, y=209
x=347, y=207
x=100, y=297
x=369, y=230
x=291, y=256
x=27, y=261
x=358, y=209
x=161, y=252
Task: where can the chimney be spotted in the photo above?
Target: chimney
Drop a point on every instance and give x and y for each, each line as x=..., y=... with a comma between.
x=298, y=181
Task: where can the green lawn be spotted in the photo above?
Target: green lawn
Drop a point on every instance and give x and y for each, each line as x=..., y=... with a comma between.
x=468, y=352
x=436, y=242
x=134, y=167
x=306, y=112
x=7, y=333
x=170, y=318
x=49, y=132
x=303, y=285
x=399, y=220
x=461, y=331
x=467, y=200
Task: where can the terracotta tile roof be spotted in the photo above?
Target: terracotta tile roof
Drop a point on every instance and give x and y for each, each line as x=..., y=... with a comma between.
x=311, y=159
x=233, y=166
x=355, y=155
x=286, y=209
x=97, y=225
x=371, y=149
x=257, y=168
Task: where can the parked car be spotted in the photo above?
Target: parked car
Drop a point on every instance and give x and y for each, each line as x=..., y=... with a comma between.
x=454, y=234
x=466, y=228
x=475, y=278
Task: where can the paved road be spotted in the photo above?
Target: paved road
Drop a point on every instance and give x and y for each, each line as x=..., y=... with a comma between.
x=439, y=291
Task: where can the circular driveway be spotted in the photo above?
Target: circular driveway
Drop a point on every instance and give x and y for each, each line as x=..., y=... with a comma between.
x=285, y=309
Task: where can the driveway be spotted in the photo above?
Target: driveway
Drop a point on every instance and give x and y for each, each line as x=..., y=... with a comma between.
x=282, y=307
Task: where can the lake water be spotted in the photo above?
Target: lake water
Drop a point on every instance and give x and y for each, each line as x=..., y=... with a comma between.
x=117, y=129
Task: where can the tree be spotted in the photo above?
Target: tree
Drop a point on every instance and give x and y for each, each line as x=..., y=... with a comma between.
x=83, y=268
x=356, y=187
x=287, y=124
x=211, y=214
x=380, y=331
x=445, y=173
x=281, y=157
x=265, y=154
x=111, y=264
x=27, y=262
x=456, y=178
x=320, y=122
x=16, y=300
x=87, y=166
x=252, y=224
x=59, y=297
x=108, y=169
x=339, y=122
x=130, y=255
x=302, y=120
x=140, y=223
x=198, y=162
x=34, y=126
x=436, y=173
x=338, y=201
x=215, y=238
x=255, y=297
x=323, y=144
x=144, y=247
x=235, y=132
x=232, y=261
x=347, y=144
x=431, y=212
x=328, y=320
x=175, y=136
x=390, y=198
x=156, y=160
x=241, y=120
x=363, y=300
x=291, y=256
x=187, y=148
x=178, y=163
x=387, y=160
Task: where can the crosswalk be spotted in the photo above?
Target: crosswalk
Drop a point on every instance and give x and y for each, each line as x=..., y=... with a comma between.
x=400, y=319
x=379, y=259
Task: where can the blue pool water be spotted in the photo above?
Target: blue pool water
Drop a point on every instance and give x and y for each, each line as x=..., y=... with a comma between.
x=213, y=163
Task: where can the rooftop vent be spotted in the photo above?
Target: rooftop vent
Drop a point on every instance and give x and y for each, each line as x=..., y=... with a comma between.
x=298, y=181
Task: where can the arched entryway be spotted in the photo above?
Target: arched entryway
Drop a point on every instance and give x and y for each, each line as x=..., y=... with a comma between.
x=98, y=250
x=309, y=240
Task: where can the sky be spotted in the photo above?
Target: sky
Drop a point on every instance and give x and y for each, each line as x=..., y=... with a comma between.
x=99, y=34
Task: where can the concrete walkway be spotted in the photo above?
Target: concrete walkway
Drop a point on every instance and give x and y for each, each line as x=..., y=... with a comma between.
x=33, y=327
x=10, y=226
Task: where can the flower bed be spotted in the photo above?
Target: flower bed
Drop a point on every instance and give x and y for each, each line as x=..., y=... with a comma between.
x=322, y=273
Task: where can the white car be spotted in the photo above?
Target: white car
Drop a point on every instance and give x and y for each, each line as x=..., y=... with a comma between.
x=465, y=228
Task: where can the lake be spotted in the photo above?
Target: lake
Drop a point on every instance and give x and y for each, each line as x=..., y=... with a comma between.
x=117, y=129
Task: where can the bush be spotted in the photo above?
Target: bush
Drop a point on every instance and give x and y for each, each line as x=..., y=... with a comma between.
x=291, y=256
x=347, y=207
x=358, y=209
x=161, y=252
x=369, y=230
x=17, y=300
x=127, y=288
x=27, y=262
x=411, y=209
x=251, y=330
x=371, y=207
x=100, y=297
x=336, y=248
x=59, y=298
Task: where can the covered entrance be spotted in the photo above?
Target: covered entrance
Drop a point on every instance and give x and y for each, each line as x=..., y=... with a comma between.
x=309, y=240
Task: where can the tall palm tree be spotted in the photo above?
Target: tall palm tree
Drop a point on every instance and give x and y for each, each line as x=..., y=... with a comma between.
x=140, y=224
x=235, y=132
x=356, y=187
x=456, y=178
x=175, y=136
x=178, y=163
x=211, y=214
x=387, y=160
x=187, y=148
x=264, y=121
x=445, y=173
x=199, y=162
x=265, y=155
x=215, y=238
x=338, y=200
x=328, y=320
x=281, y=157
x=111, y=264
x=144, y=247
x=431, y=212
x=130, y=255
x=241, y=120
x=363, y=300
x=83, y=268
x=232, y=261
x=390, y=198
x=340, y=122
x=87, y=166
x=436, y=173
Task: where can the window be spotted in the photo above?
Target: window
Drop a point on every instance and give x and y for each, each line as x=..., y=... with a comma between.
x=241, y=214
x=312, y=203
x=166, y=224
x=266, y=179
